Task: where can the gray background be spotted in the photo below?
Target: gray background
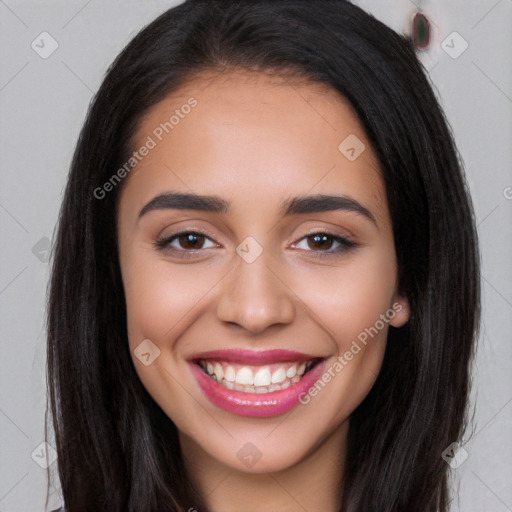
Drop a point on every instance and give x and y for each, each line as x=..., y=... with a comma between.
x=42, y=106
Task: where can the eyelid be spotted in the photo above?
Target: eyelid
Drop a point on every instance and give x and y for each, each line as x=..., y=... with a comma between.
x=163, y=241
x=331, y=232
x=189, y=229
x=345, y=244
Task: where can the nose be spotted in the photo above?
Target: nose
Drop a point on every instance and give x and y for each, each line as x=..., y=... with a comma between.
x=255, y=296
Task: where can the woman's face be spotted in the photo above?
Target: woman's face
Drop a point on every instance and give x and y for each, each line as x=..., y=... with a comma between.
x=262, y=326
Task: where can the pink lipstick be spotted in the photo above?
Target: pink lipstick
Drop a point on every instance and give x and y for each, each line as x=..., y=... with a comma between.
x=256, y=383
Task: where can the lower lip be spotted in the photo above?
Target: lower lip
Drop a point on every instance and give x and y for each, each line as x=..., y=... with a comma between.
x=261, y=405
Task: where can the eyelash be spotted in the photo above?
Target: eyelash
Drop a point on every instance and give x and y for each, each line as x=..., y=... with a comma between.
x=163, y=244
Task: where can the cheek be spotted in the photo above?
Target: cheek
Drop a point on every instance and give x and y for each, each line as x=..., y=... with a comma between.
x=349, y=298
x=159, y=299
x=350, y=302
x=160, y=305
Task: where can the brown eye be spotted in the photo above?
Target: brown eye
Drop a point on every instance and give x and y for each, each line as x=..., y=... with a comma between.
x=190, y=241
x=321, y=244
x=186, y=241
x=321, y=241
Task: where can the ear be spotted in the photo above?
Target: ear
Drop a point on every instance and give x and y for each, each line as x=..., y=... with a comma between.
x=400, y=305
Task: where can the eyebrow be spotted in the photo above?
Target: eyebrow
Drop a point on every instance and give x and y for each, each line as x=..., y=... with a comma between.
x=291, y=206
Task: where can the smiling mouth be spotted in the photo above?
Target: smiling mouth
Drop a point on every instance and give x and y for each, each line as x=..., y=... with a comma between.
x=260, y=379
x=256, y=383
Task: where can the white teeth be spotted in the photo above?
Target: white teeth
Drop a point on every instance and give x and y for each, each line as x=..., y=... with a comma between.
x=256, y=380
x=244, y=376
x=262, y=377
x=278, y=376
x=219, y=372
x=230, y=374
x=291, y=372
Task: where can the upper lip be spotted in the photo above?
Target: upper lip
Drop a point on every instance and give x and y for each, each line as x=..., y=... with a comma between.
x=244, y=356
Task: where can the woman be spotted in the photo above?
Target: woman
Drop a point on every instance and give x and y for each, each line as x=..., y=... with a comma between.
x=265, y=285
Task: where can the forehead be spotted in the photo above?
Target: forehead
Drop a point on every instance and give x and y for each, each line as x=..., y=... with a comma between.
x=256, y=137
